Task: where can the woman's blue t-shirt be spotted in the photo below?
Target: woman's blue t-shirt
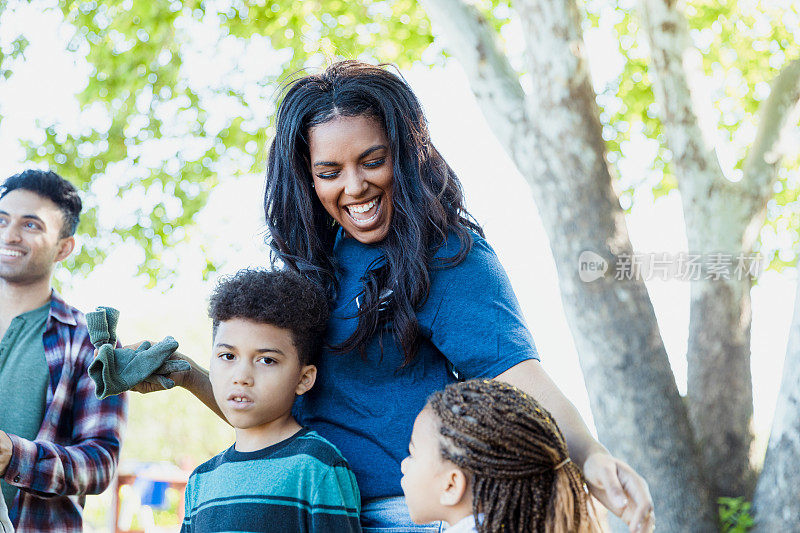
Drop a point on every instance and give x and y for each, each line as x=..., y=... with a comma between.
x=367, y=407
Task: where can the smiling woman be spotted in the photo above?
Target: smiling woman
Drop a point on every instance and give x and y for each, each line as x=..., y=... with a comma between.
x=355, y=135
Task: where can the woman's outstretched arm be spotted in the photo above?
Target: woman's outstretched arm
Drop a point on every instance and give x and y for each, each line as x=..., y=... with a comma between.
x=194, y=380
x=613, y=482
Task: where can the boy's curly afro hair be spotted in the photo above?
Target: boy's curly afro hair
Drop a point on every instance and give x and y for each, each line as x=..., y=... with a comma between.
x=279, y=298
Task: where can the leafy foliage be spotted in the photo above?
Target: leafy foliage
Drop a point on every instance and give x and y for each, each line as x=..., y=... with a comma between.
x=780, y=233
x=8, y=52
x=180, y=94
x=735, y=515
x=165, y=135
x=742, y=47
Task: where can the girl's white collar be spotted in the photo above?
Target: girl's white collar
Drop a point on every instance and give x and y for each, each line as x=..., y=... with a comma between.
x=465, y=525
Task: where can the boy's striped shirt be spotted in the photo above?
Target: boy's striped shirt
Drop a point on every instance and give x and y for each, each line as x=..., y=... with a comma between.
x=300, y=484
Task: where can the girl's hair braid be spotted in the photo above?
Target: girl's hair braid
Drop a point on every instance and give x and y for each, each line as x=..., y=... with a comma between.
x=516, y=458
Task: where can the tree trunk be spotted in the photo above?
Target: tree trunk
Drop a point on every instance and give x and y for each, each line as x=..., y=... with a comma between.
x=717, y=214
x=613, y=321
x=721, y=218
x=554, y=137
x=777, y=497
x=720, y=394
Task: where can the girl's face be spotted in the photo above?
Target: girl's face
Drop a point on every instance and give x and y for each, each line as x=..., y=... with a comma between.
x=426, y=476
x=351, y=164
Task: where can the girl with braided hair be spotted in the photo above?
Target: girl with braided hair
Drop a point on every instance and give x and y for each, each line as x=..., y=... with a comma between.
x=485, y=449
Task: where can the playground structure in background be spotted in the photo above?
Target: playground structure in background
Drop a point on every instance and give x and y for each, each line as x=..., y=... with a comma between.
x=139, y=489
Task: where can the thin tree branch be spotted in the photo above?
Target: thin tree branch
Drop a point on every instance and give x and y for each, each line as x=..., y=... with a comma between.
x=492, y=79
x=717, y=211
x=760, y=167
x=668, y=37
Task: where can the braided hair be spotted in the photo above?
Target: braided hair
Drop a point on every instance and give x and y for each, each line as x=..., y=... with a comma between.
x=515, y=456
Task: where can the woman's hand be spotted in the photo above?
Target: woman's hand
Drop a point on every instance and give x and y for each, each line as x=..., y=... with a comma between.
x=177, y=368
x=619, y=488
x=195, y=380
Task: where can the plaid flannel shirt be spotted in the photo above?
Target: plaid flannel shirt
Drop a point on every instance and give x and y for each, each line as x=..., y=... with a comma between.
x=76, y=450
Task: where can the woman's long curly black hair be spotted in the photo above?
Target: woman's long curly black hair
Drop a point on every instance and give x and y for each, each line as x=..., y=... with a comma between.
x=427, y=198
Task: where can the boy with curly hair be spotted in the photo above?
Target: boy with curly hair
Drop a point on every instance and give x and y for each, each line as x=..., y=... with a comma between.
x=278, y=476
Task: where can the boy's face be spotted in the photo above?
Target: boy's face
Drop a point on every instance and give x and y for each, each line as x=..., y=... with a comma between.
x=256, y=373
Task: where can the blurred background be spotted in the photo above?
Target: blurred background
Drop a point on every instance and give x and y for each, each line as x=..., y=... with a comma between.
x=161, y=112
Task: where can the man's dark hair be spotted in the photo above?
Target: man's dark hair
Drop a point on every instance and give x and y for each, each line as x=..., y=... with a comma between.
x=279, y=298
x=50, y=185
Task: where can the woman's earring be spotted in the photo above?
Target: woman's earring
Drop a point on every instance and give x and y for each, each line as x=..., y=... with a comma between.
x=313, y=186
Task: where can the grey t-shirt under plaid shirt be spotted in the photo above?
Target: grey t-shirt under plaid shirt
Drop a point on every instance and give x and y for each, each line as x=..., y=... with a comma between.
x=23, y=379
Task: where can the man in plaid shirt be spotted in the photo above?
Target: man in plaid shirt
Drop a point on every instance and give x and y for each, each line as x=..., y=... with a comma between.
x=58, y=442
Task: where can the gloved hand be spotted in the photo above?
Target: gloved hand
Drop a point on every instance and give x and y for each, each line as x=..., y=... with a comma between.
x=115, y=370
x=160, y=375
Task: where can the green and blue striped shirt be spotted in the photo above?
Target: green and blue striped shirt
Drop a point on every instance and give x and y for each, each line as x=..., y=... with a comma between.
x=301, y=484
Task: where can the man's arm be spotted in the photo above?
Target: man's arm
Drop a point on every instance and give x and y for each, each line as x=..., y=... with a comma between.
x=83, y=457
x=615, y=484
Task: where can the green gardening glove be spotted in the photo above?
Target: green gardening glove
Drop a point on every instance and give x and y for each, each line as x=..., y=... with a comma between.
x=115, y=370
x=102, y=325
